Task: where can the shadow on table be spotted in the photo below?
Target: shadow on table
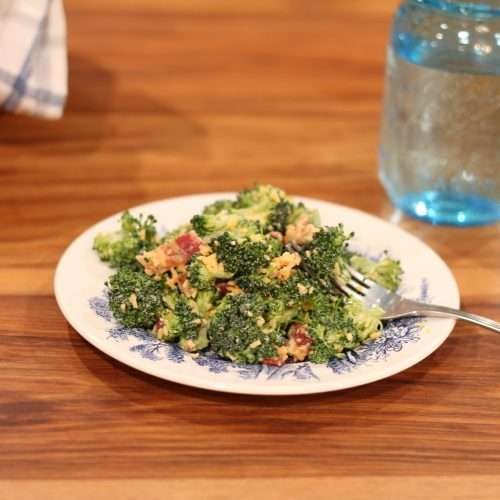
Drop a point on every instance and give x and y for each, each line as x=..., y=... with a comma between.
x=150, y=392
x=102, y=115
x=91, y=89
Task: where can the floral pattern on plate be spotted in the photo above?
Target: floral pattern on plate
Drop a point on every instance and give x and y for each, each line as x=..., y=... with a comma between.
x=395, y=336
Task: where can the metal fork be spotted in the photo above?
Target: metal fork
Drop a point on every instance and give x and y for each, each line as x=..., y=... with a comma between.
x=395, y=306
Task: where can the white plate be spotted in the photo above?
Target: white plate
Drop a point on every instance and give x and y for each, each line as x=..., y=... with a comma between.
x=79, y=285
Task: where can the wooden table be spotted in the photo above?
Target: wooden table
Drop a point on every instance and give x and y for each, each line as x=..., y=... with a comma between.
x=176, y=97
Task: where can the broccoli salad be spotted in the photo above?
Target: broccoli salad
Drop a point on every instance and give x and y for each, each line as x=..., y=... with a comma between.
x=251, y=279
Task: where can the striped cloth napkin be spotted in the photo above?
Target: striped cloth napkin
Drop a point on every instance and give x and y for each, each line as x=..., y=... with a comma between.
x=33, y=60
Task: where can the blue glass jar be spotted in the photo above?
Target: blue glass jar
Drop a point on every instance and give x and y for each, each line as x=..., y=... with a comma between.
x=440, y=139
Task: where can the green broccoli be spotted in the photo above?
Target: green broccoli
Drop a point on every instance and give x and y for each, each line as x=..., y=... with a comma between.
x=204, y=302
x=252, y=318
x=218, y=206
x=322, y=257
x=279, y=313
x=203, y=271
x=280, y=216
x=243, y=218
x=135, y=298
x=330, y=327
x=238, y=330
x=120, y=248
x=212, y=225
x=286, y=212
x=245, y=256
x=337, y=324
x=366, y=319
x=182, y=323
x=386, y=272
x=260, y=197
x=291, y=292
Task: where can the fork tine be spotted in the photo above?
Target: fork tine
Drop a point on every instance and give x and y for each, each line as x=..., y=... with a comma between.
x=367, y=282
x=357, y=287
x=347, y=290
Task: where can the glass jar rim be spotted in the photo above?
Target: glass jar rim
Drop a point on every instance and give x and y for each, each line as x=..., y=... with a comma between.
x=482, y=9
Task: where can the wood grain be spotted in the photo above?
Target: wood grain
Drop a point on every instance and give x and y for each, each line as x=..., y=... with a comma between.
x=178, y=97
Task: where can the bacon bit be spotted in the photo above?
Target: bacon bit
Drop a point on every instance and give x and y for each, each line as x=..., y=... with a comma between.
x=159, y=324
x=302, y=339
x=299, y=342
x=222, y=288
x=277, y=235
x=227, y=287
x=275, y=361
x=300, y=334
x=189, y=243
x=278, y=360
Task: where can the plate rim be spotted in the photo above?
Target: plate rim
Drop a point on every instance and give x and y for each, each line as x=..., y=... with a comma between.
x=263, y=389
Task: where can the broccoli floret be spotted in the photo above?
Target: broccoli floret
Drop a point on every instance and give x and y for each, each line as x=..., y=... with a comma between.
x=192, y=335
x=204, y=270
x=386, y=272
x=255, y=282
x=212, y=225
x=331, y=328
x=291, y=291
x=320, y=351
x=135, y=298
x=286, y=212
x=120, y=248
x=337, y=324
x=366, y=320
x=279, y=313
x=243, y=257
x=261, y=196
x=217, y=207
x=322, y=257
x=204, y=302
x=182, y=321
x=243, y=218
x=239, y=330
x=280, y=216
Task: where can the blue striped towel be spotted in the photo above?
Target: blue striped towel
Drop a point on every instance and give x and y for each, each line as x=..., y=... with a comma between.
x=33, y=60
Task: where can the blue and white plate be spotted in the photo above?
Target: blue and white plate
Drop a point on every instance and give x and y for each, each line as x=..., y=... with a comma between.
x=79, y=290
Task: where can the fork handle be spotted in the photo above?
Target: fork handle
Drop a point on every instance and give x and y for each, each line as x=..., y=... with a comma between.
x=420, y=309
